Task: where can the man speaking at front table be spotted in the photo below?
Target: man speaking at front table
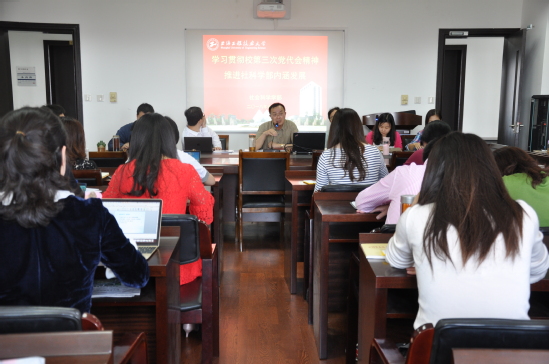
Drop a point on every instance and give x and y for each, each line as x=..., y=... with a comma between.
x=277, y=133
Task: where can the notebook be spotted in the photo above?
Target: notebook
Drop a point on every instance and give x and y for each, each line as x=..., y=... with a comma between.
x=194, y=153
x=305, y=143
x=203, y=144
x=139, y=219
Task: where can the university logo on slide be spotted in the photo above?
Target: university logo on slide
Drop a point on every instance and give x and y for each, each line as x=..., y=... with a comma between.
x=212, y=44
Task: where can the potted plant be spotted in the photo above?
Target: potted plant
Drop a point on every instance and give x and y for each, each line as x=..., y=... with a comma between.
x=101, y=146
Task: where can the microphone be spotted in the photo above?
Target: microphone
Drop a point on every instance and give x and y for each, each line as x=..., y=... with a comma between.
x=276, y=124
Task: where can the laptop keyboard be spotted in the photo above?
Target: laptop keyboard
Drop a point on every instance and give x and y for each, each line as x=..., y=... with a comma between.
x=146, y=249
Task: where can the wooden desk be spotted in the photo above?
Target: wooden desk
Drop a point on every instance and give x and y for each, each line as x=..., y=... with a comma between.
x=335, y=223
x=79, y=347
x=298, y=198
x=377, y=278
x=217, y=238
x=155, y=312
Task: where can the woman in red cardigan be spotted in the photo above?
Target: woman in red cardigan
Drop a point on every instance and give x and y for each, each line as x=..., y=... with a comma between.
x=154, y=171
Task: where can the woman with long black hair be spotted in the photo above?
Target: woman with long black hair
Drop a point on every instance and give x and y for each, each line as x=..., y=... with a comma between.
x=384, y=127
x=154, y=171
x=348, y=159
x=51, y=240
x=475, y=250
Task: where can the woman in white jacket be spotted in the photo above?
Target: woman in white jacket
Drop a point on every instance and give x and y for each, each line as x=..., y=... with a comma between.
x=475, y=250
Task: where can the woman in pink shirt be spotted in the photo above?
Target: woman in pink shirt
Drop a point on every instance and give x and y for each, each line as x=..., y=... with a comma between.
x=385, y=127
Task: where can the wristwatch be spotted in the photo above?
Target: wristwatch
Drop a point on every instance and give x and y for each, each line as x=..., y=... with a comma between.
x=283, y=146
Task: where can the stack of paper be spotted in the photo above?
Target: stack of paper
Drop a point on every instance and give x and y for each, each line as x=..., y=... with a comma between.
x=374, y=251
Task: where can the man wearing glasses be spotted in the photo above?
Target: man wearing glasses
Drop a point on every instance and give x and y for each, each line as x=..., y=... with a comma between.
x=196, y=127
x=277, y=133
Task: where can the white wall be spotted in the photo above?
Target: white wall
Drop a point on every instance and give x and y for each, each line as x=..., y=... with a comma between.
x=482, y=85
x=27, y=50
x=137, y=47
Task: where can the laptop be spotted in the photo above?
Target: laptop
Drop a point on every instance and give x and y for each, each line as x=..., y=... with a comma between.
x=139, y=219
x=194, y=153
x=203, y=144
x=306, y=143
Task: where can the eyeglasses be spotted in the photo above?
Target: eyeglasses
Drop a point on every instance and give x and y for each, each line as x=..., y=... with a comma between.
x=278, y=114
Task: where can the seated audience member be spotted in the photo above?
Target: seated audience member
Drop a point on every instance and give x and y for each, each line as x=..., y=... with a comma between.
x=76, y=145
x=384, y=196
x=348, y=159
x=415, y=144
x=56, y=109
x=278, y=133
x=52, y=241
x=385, y=127
x=525, y=180
x=125, y=132
x=431, y=133
x=206, y=177
x=196, y=127
x=154, y=171
x=475, y=250
x=332, y=112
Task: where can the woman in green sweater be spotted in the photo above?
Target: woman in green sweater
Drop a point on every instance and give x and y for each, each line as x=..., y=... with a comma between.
x=525, y=180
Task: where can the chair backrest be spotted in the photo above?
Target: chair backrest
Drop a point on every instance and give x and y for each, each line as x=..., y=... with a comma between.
x=27, y=319
x=91, y=177
x=189, y=240
x=262, y=171
x=224, y=141
x=487, y=334
x=406, y=139
x=344, y=188
x=399, y=158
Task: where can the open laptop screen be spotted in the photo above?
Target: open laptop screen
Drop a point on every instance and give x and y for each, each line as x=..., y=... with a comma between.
x=194, y=153
x=203, y=144
x=306, y=143
x=139, y=219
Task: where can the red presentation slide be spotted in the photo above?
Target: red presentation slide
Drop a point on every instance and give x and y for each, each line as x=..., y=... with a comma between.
x=244, y=74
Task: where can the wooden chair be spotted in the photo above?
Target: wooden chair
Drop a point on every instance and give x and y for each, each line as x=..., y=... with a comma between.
x=28, y=324
x=435, y=346
x=108, y=159
x=92, y=177
x=398, y=159
x=406, y=139
x=261, y=185
x=199, y=299
x=224, y=141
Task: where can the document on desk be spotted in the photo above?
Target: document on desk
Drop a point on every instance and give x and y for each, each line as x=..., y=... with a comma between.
x=28, y=360
x=374, y=251
x=113, y=288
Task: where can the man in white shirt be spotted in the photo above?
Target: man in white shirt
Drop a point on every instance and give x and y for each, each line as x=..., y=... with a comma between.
x=196, y=127
x=205, y=176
